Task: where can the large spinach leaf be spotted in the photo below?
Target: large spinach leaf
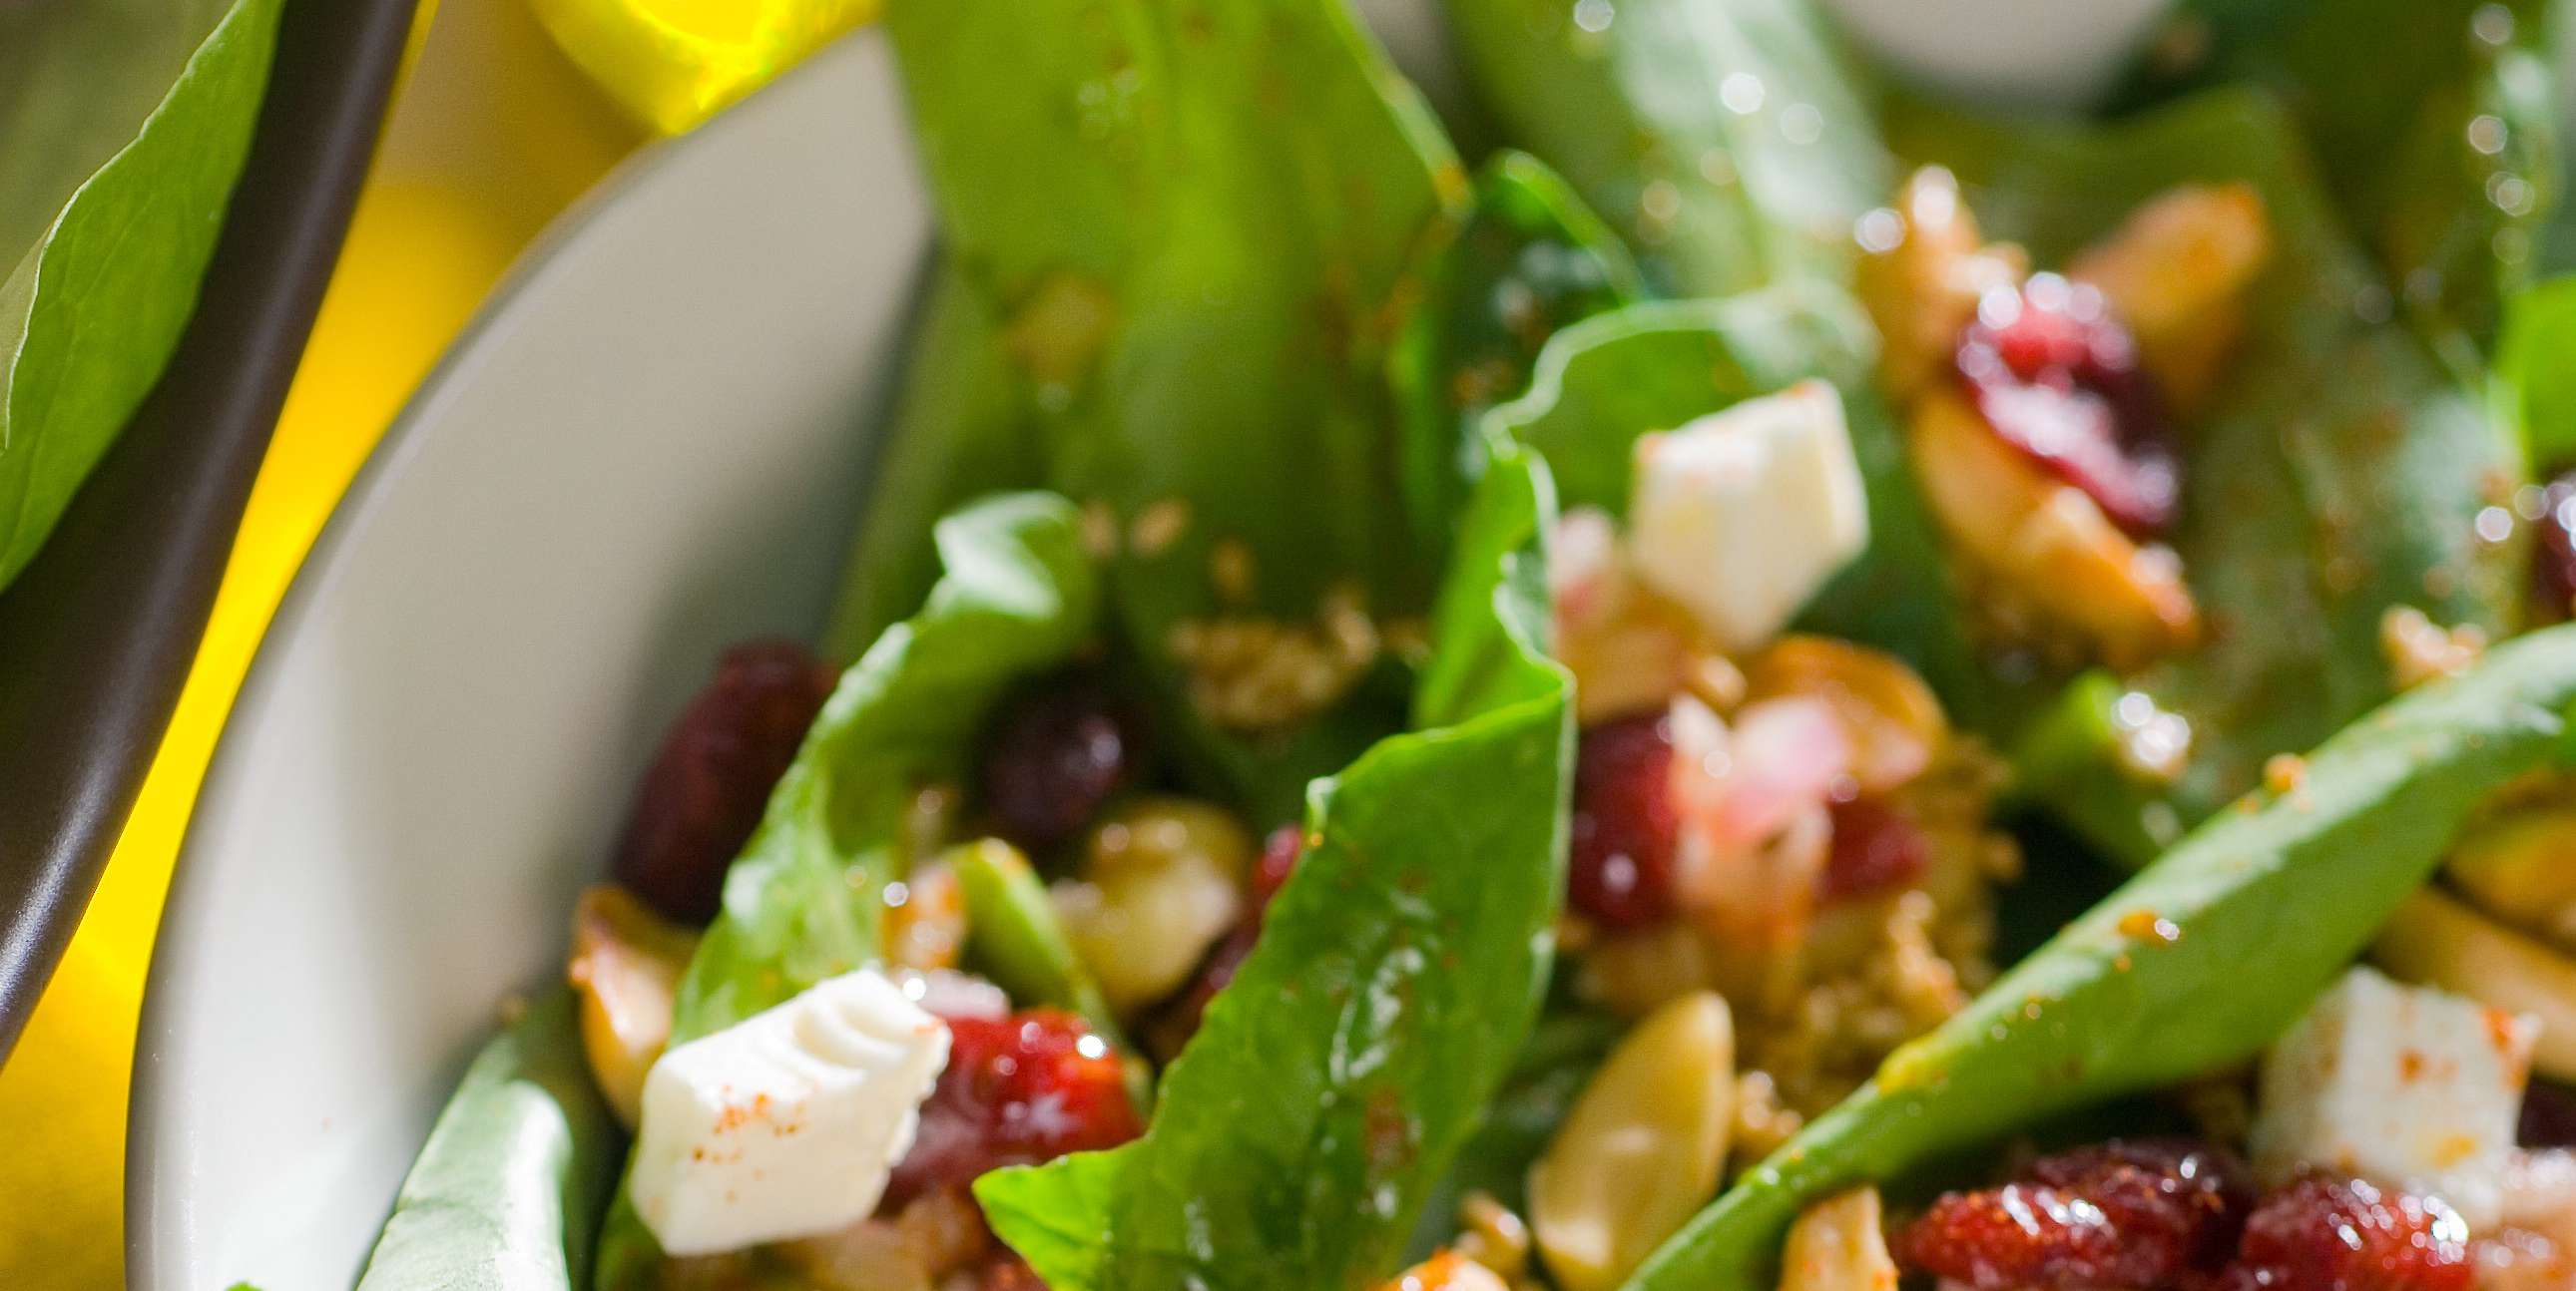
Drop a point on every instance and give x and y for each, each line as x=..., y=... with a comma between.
x=801, y=903
x=1190, y=224
x=1528, y=259
x=1396, y=977
x=1604, y=382
x=2339, y=473
x=2152, y=985
x=960, y=429
x=122, y=128
x=1730, y=142
x=2536, y=382
x=2444, y=158
x=509, y=1187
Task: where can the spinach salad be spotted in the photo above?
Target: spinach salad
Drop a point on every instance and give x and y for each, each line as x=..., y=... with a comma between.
x=1759, y=680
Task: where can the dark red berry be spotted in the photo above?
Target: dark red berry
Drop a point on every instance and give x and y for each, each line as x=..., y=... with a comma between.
x=706, y=788
x=2058, y=377
x=1878, y=847
x=2122, y=1215
x=2327, y=1234
x=1279, y=854
x=2548, y=1116
x=2553, y=549
x=1180, y=1019
x=1052, y=758
x=1018, y=1090
x=1626, y=823
x=1009, y=1273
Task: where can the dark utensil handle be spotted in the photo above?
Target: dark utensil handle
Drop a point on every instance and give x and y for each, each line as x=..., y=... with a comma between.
x=97, y=634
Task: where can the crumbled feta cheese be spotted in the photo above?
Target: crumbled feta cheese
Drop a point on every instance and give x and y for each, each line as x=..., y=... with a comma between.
x=1741, y=515
x=2407, y=1086
x=788, y=1122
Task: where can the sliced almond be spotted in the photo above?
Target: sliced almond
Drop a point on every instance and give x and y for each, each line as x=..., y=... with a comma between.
x=1839, y=1245
x=626, y=965
x=1642, y=1149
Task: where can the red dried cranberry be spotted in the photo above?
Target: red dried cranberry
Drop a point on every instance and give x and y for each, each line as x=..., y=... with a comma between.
x=1009, y=1273
x=1279, y=854
x=705, y=790
x=2058, y=377
x=2548, y=1116
x=2121, y=1215
x=2327, y=1234
x=1878, y=847
x=1018, y=1090
x=1052, y=758
x=1625, y=823
x=1180, y=1019
x=2553, y=552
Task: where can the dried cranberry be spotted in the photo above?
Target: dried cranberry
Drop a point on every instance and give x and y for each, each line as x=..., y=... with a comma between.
x=1180, y=1019
x=1018, y=1090
x=2327, y=1234
x=2548, y=1116
x=705, y=790
x=1279, y=854
x=2058, y=377
x=1009, y=1273
x=1878, y=847
x=2122, y=1215
x=2553, y=553
x=1626, y=823
x=1052, y=758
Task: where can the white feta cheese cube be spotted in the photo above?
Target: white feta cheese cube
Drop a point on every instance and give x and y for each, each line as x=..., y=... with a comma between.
x=788, y=1122
x=2406, y=1086
x=1741, y=515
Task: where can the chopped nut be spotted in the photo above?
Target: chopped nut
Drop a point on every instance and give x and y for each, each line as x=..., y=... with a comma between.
x=1840, y=1244
x=2419, y=650
x=1253, y=675
x=626, y=966
x=1642, y=1149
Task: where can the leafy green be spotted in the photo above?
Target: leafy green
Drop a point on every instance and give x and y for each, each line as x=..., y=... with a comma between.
x=960, y=429
x=1396, y=976
x=1015, y=938
x=2150, y=986
x=124, y=127
x=510, y=1184
x=1191, y=224
x=2536, y=382
x=1528, y=259
x=1731, y=142
x=1603, y=382
x=2449, y=204
x=2337, y=475
x=802, y=902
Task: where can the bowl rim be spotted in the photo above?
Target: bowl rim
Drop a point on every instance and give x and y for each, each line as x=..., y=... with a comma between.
x=103, y=626
x=146, y=1188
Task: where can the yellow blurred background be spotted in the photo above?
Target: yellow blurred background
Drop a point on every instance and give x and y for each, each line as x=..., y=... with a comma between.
x=493, y=133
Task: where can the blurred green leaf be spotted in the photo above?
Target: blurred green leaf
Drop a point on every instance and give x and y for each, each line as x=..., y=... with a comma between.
x=123, y=126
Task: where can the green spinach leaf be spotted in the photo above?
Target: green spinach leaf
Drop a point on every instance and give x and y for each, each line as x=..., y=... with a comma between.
x=2150, y=987
x=1191, y=223
x=2444, y=159
x=801, y=903
x=960, y=429
x=1528, y=259
x=1396, y=977
x=510, y=1185
x=124, y=127
x=2536, y=382
x=1732, y=143
x=2338, y=475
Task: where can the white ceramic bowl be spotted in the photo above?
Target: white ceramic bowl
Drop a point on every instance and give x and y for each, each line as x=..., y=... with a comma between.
x=647, y=447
